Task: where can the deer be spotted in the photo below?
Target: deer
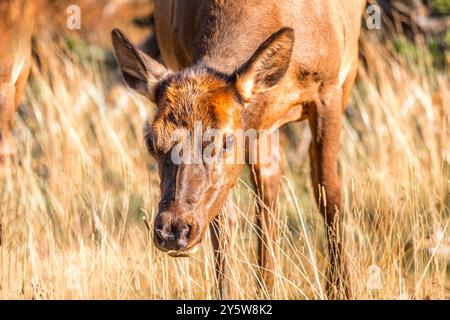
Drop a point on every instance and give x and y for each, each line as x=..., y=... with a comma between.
x=245, y=64
x=17, y=21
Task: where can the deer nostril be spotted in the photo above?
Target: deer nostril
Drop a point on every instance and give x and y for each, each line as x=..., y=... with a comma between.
x=188, y=231
x=181, y=235
x=160, y=234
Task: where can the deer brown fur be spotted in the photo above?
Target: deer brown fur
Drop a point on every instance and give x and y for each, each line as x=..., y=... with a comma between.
x=253, y=64
x=16, y=29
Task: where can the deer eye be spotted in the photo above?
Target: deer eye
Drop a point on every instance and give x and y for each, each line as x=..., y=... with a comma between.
x=149, y=139
x=151, y=148
x=228, y=143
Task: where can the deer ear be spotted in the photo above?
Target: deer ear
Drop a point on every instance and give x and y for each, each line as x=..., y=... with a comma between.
x=267, y=66
x=140, y=72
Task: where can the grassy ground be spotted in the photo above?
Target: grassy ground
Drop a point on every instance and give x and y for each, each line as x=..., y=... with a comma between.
x=76, y=215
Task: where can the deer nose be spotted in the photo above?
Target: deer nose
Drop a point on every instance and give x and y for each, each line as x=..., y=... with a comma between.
x=172, y=236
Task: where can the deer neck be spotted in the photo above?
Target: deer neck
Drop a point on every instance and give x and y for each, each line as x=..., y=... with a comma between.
x=231, y=32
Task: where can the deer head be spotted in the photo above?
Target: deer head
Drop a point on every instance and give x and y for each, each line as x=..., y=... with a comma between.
x=198, y=101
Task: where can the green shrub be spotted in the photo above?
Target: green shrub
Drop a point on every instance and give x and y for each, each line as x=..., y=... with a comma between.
x=441, y=6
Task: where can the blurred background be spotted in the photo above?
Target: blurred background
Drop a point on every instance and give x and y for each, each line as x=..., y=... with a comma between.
x=77, y=213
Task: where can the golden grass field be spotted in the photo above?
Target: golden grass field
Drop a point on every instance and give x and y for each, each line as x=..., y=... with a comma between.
x=77, y=213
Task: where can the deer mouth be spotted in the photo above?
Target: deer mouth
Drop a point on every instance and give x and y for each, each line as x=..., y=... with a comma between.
x=184, y=253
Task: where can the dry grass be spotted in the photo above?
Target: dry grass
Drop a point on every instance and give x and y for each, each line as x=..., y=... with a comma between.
x=75, y=215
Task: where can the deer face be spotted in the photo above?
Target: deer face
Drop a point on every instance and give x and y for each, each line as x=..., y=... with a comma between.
x=193, y=136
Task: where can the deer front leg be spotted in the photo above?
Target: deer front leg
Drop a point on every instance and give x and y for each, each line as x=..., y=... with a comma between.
x=266, y=179
x=325, y=124
x=21, y=83
x=7, y=109
x=223, y=233
x=10, y=95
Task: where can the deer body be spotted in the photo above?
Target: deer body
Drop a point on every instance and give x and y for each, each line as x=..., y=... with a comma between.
x=223, y=34
x=16, y=28
x=254, y=65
